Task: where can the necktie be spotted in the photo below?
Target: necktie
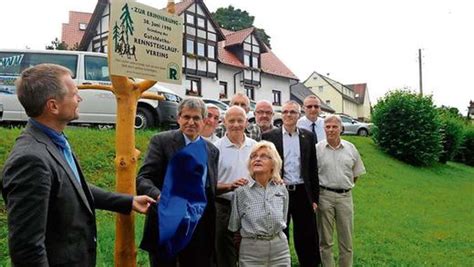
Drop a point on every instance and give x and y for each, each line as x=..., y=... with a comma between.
x=313, y=128
x=70, y=160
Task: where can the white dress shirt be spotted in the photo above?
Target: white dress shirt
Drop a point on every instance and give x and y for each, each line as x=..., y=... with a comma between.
x=291, y=157
x=306, y=124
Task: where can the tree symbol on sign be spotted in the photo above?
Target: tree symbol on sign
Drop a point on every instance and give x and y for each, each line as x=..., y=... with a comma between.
x=122, y=34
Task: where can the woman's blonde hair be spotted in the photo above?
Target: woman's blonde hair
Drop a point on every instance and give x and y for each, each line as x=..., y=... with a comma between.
x=275, y=158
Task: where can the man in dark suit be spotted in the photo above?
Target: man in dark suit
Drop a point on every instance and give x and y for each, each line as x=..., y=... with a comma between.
x=50, y=207
x=299, y=172
x=150, y=181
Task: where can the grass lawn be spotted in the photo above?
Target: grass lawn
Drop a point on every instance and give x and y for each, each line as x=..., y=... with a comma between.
x=404, y=215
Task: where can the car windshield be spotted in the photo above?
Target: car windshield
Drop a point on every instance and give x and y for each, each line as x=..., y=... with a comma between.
x=219, y=104
x=252, y=105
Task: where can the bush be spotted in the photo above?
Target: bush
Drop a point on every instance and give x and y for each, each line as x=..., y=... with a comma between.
x=466, y=151
x=452, y=131
x=407, y=126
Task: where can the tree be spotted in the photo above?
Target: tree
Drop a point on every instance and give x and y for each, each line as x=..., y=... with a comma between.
x=57, y=45
x=452, y=111
x=236, y=19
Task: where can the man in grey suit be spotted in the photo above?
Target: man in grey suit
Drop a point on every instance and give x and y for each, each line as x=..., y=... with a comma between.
x=50, y=207
x=150, y=181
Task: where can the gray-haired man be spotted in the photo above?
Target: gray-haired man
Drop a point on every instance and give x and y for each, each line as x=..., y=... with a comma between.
x=151, y=178
x=339, y=165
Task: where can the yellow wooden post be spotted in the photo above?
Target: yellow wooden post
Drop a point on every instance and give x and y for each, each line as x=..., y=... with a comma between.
x=127, y=94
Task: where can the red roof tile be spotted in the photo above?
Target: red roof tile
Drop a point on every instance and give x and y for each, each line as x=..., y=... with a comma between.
x=238, y=37
x=270, y=63
x=226, y=32
x=182, y=6
x=227, y=57
x=359, y=91
x=273, y=65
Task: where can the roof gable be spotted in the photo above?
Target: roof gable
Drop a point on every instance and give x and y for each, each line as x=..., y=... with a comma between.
x=299, y=92
x=269, y=62
x=359, y=91
x=92, y=25
x=181, y=7
x=333, y=84
x=238, y=37
x=227, y=57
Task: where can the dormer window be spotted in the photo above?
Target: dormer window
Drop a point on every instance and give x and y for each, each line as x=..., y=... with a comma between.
x=251, y=52
x=247, y=60
x=255, y=62
x=251, y=59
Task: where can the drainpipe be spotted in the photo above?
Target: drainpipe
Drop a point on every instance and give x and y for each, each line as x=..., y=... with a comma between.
x=291, y=85
x=235, y=84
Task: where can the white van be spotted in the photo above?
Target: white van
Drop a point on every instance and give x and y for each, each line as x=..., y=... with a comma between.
x=98, y=106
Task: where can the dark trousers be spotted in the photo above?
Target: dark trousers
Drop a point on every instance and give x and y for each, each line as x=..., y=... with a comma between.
x=200, y=250
x=305, y=233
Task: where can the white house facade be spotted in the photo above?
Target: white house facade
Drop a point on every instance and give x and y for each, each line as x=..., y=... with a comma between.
x=217, y=63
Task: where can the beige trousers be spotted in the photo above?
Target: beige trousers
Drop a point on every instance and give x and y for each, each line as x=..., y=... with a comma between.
x=335, y=210
x=275, y=252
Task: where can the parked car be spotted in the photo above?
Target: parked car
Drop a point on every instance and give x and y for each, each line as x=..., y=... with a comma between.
x=98, y=106
x=352, y=126
x=165, y=114
x=221, y=105
x=251, y=115
x=277, y=121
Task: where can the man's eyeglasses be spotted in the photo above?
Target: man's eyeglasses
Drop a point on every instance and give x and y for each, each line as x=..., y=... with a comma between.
x=262, y=156
x=261, y=112
x=289, y=112
x=312, y=106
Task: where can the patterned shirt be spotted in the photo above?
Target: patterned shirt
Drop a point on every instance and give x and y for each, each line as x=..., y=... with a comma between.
x=252, y=131
x=258, y=210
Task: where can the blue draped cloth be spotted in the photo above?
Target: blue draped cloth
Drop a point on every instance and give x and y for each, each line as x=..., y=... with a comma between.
x=183, y=198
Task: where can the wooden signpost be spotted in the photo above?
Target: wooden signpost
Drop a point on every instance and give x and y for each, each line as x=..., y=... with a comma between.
x=143, y=43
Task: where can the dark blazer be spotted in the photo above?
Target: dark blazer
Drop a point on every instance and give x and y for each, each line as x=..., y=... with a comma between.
x=51, y=217
x=151, y=176
x=309, y=163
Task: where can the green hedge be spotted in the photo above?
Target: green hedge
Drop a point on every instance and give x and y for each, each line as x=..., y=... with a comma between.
x=407, y=126
x=452, y=132
x=466, y=151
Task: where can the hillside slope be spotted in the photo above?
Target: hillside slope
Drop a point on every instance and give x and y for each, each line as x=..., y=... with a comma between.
x=404, y=215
